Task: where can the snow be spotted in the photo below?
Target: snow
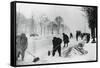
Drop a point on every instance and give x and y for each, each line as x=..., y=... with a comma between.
x=39, y=47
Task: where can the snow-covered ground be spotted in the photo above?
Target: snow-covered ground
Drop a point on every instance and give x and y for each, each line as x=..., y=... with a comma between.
x=39, y=47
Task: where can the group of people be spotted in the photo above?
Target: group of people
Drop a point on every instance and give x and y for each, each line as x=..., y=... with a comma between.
x=57, y=41
x=82, y=35
x=22, y=43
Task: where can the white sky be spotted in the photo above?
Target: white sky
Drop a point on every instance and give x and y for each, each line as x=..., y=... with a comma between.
x=72, y=15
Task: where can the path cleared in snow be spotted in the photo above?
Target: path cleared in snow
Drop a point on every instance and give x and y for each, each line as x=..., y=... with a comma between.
x=39, y=46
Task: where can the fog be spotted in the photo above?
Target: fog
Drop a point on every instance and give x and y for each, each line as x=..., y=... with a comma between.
x=40, y=25
x=73, y=16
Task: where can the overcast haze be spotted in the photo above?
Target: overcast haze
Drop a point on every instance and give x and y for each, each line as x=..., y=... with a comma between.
x=46, y=27
x=73, y=17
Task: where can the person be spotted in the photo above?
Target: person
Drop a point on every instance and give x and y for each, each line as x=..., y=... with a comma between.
x=56, y=45
x=71, y=35
x=65, y=39
x=21, y=45
x=87, y=36
x=78, y=34
x=77, y=49
x=80, y=48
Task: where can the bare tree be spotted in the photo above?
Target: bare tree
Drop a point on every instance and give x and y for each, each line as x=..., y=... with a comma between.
x=43, y=23
x=59, y=20
x=32, y=25
x=20, y=21
x=62, y=28
x=41, y=27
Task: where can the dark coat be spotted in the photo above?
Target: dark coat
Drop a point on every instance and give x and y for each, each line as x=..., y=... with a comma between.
x=65, y=38
x=21, y=45
x=56, y=45
x=56, y=41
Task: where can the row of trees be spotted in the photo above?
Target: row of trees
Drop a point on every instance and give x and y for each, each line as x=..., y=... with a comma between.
x=46, y=25
x=52, y=26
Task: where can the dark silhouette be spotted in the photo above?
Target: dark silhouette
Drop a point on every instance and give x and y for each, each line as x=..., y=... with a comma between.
x=71, y=35
x=21, y=45
x=78, y=34
x=88, y=38
x=65, y=39
x=87, y=35
x=82, y=35
x=56, y=45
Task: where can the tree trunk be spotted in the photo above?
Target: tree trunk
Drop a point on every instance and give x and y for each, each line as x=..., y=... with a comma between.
x=52, y=29
x=93, y=34
x=44, y=30
x=41, y=28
